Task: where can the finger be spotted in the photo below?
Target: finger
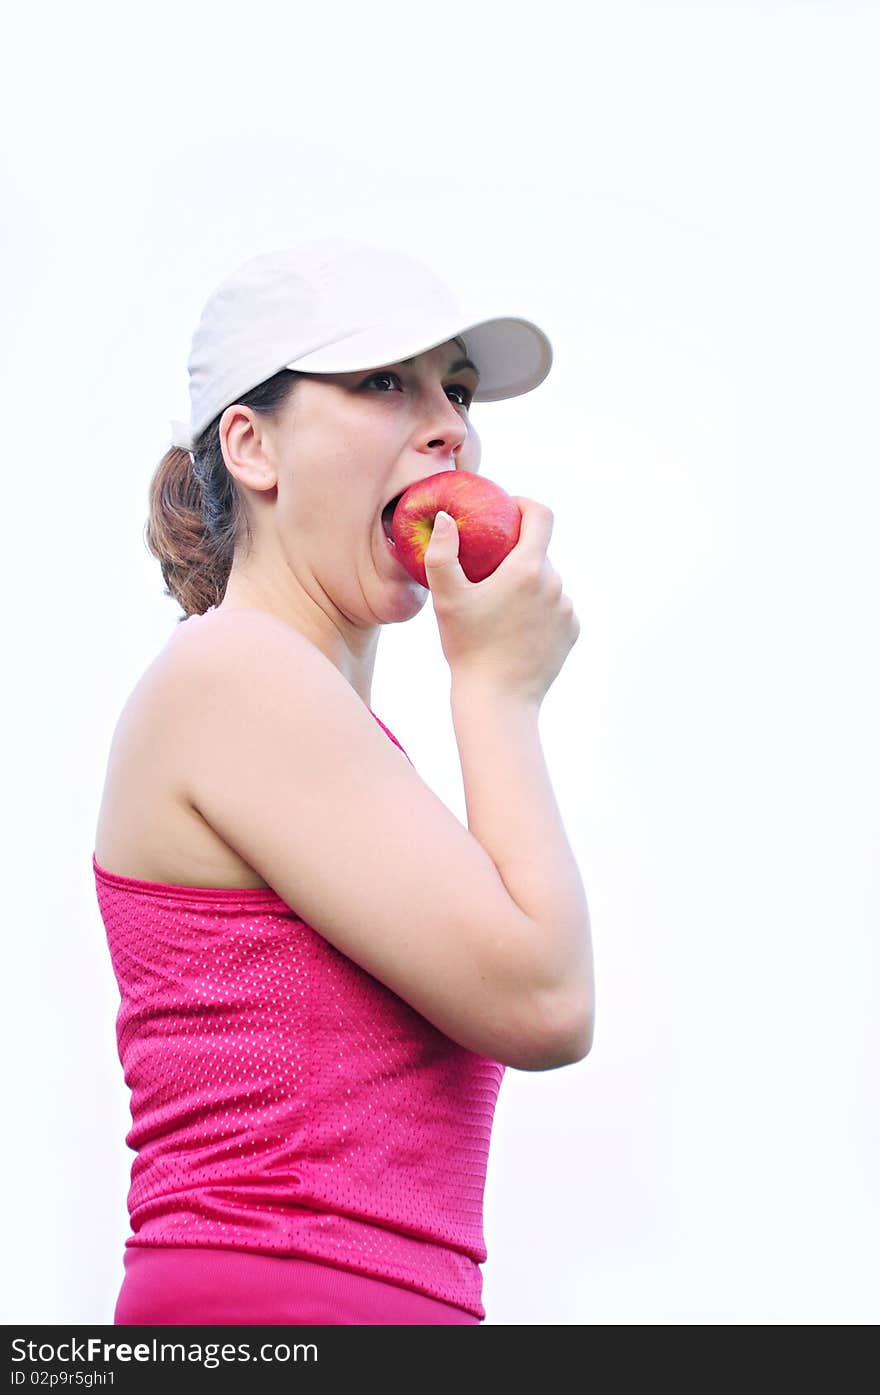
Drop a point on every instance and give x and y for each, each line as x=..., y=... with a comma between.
x=442, y=567
x=536, y=527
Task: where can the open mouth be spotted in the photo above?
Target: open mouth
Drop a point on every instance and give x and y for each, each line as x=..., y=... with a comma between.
x=388, y=514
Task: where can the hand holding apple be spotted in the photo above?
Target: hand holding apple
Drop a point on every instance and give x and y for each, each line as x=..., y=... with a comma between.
x=510, y=635
x=487, y=519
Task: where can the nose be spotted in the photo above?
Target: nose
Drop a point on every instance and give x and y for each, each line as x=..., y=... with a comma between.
x=446, y=431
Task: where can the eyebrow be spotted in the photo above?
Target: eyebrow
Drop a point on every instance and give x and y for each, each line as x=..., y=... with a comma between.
x=453, y=367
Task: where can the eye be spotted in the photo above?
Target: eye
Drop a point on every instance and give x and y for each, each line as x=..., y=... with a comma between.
x=376, y=376
x=466, y=394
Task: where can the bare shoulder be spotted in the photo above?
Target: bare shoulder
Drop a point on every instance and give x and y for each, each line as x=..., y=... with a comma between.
x=250, y=658
x=148, y=826
x=219, y=635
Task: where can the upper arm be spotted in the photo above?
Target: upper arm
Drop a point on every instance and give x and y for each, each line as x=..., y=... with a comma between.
x=287, y=764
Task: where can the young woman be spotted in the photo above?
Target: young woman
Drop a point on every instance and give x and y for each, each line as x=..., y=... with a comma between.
x=322, y=974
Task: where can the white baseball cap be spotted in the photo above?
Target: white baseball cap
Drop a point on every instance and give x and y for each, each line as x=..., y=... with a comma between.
x=335, y=305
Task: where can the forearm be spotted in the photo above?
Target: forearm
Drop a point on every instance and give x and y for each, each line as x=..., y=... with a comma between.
x=513, y=814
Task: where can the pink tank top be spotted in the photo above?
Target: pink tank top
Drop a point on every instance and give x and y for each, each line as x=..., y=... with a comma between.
x=284, y=1101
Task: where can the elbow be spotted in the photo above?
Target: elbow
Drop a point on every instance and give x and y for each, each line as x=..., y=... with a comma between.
x=569, y=1023
x=582, y=1041
x=574, y=1043
x=563, y=1037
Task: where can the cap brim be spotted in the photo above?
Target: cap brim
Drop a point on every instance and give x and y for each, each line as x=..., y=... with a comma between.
x=513, y=355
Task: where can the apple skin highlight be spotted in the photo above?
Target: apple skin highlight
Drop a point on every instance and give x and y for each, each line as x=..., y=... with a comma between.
x=486, y=516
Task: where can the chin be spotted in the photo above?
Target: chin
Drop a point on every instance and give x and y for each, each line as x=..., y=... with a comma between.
x=402, y=604
x=398, y=599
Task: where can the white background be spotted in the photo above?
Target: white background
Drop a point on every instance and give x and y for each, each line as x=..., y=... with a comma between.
x=686, y=198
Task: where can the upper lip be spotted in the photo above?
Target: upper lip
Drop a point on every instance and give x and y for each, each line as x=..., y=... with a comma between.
x=397, y=493
x=405, y=487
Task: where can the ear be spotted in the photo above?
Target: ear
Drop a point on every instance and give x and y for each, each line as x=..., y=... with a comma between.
x=244, y=441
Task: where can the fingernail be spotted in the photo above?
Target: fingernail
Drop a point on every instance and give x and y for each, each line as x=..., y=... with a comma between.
x=442, y=522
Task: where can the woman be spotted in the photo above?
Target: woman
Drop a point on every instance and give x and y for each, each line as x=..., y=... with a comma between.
x=322, y=974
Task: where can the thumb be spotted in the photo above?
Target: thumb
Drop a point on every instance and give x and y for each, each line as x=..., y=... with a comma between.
x=441, y=554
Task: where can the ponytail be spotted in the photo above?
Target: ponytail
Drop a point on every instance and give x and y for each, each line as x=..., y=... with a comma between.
x=197, y=515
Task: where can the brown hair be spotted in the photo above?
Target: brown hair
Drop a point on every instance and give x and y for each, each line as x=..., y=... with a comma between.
x=197, y=512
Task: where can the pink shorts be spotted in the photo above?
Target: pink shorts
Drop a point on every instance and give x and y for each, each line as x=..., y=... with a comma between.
x=172, y=1285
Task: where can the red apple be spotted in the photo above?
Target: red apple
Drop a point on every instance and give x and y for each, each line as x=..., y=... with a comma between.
x=486, y=516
